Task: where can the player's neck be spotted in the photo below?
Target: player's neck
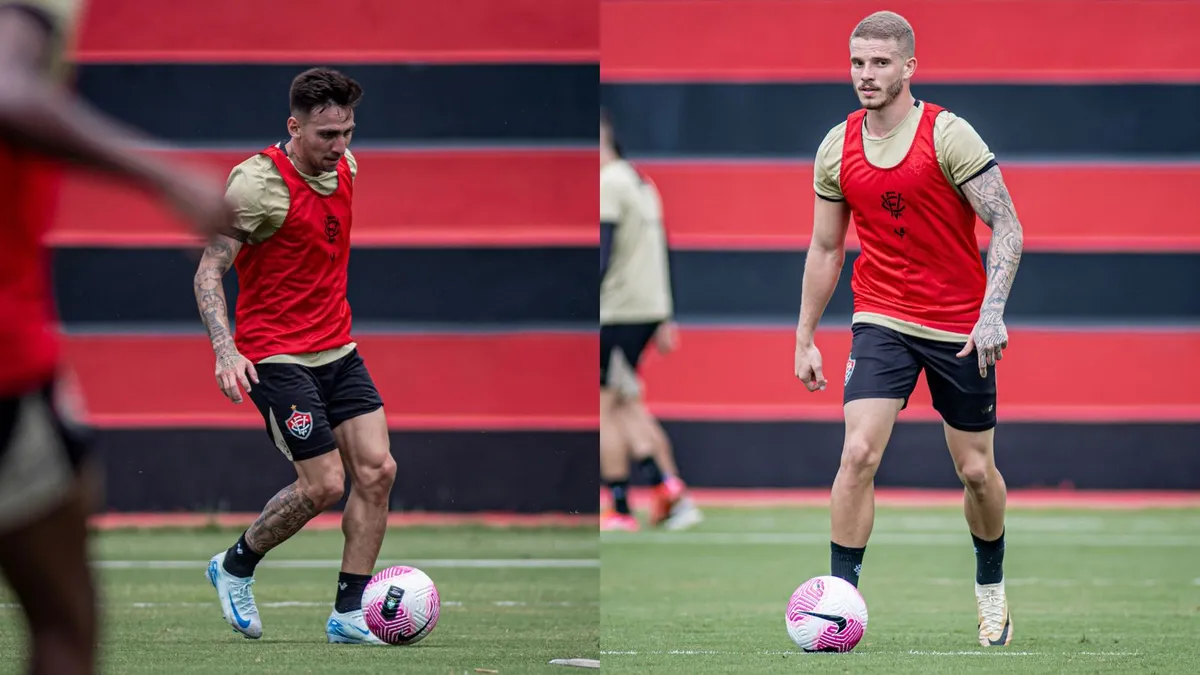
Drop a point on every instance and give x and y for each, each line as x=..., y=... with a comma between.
x=298, y=161
x=881, y=122
x=607, y=156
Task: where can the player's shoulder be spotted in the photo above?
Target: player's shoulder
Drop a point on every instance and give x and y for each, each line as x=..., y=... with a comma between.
x=618, y=175
x=352, y=161
x=950, y=123
x=833, y=140
x=256, y=170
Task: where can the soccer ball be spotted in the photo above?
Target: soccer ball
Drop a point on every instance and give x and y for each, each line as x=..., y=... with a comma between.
x=826, y=614
x=401, y=605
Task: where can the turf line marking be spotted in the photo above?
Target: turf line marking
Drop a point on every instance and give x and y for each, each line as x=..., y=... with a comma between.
x=302, y=603
x=857, y=654
x=469, y=563
x=898, y=539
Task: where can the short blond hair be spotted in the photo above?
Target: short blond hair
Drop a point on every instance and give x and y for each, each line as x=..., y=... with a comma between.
x=887, y=26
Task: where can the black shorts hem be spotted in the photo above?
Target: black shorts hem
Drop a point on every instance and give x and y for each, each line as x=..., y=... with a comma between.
x=971, y=428
x=354, y=412
x=888, y=395
x=313, y=453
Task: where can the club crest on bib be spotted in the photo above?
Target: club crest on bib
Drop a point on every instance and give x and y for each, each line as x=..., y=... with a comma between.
x=849, y=369
x=300, y=423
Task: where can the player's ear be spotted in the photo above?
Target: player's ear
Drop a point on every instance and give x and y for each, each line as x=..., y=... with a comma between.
x=293, y=126
x=910, y=67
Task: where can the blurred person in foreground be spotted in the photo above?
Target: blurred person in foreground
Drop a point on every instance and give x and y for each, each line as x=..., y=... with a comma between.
x=293, y=352
x=47, y=482
x=636, y=306
x=914, y=176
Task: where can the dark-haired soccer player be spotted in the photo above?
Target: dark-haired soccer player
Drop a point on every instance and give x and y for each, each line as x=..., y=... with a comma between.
x=914, y=176
x=44, y=494
x=293, y=353
x=636, y=306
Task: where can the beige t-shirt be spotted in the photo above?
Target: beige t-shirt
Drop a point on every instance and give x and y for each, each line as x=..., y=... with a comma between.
x=961, y=153
x=637, y=287
x=261, y=200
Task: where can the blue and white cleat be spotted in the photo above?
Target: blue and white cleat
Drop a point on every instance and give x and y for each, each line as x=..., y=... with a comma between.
x=350, y=628
x=237, y=600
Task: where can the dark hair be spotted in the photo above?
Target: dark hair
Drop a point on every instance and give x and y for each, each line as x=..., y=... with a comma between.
x=318, y=88
x=606, y=120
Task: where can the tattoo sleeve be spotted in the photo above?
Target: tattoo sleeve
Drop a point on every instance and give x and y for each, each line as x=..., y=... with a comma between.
x=283, y=517
x=210, y=292
x=991, y=201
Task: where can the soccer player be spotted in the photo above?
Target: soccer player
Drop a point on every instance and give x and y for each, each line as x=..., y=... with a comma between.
x=635, y=307
x=46, y=481
x=292, y=351
x=914, y=176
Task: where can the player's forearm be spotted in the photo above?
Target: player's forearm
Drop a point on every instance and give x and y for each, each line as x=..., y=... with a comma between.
x=822, y=268
x=1004, y=256
x=989, y=196
x=209, y=289
x=35, y=115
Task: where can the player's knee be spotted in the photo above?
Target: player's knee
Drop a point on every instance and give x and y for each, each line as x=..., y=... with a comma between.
x=976, y=473
x=861, y=456
x=326, y=490
x=375, y=478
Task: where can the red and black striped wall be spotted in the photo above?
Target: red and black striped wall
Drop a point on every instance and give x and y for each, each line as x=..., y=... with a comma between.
x=472, y=277
x=723, y=104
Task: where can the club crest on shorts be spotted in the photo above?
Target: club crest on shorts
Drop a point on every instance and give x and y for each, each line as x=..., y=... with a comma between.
x=300, y=423
x=849, y=369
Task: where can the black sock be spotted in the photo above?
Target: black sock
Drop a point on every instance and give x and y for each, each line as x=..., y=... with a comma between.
x=846, y=563
x=240, y=559
x=350, y=591
x=989, y=560
x=653, y=473
x=619, y=488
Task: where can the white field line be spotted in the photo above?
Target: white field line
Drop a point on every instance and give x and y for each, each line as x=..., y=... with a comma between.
x=900, y=539
x=468, y=563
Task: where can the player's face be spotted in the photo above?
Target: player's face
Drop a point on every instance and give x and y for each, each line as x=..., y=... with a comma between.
x=879, y=71
x=323, y=135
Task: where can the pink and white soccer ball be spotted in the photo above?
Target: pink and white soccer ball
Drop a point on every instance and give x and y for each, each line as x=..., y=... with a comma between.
x=826, y=614
x=401, y=605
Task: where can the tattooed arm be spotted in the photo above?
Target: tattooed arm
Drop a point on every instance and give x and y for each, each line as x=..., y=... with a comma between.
x=991, y=201
x=232, y=368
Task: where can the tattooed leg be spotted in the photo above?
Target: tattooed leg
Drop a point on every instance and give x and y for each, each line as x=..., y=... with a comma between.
x=284, y=515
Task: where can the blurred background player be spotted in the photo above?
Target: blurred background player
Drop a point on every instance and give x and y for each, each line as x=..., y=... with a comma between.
x=46, y=482
x=293, y=353
x=922, y=298
x=636, y=307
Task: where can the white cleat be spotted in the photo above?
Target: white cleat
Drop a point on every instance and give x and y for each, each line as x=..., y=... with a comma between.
x=350, y=628
x=995, y=624
x=684, y=514
x=237, y=600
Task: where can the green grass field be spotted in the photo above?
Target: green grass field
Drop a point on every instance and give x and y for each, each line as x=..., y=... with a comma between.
x=1090, y=592
x=512, y=600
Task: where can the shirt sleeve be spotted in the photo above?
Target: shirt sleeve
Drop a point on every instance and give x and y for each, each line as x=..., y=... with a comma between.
x=828, y=165
x=960, y=149
x=610, y=198
x=260, y=198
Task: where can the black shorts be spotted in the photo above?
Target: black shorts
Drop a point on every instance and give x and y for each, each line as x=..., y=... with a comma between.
x=621, y=347
x=885, y=363
x=42, y=446
x=302, y=406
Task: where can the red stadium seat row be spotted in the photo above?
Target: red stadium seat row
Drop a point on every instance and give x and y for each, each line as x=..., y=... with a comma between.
x=512, y=381
x=670, y=40
x=769, y=205
x=231, y=31
x=443, y=197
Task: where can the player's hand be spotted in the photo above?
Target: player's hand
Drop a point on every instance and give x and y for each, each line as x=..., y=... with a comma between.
x=666, y=338
x=202, y=202
x=988, y=340
x=233, y=370
x=808, y=365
